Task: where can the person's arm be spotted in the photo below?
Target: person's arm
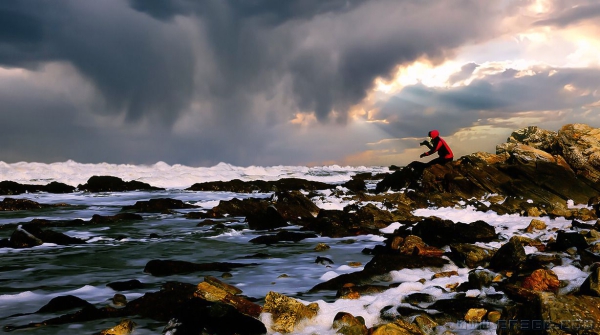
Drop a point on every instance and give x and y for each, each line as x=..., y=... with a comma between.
x=437, y=147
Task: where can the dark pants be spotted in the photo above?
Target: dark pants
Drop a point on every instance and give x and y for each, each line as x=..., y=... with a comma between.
x=439, y=160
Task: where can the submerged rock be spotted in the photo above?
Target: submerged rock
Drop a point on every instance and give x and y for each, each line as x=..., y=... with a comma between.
x=124, y=327
x=169, y=267
x=27, y=236
x=158, y=205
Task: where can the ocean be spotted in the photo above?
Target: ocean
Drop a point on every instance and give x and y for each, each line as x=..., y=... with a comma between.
x=30, y=277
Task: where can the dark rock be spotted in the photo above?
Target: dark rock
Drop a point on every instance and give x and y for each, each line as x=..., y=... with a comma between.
x=282, y=236
x=594, y=202
x=456, y=308
x=437, y=232
x=378, y=266
x=63, y=303
x=565, y=240
x=237, y=207
x=48, y=236
x=355, y=185
x=158, y=205
x=197, y=316
x=478, y=279
x=267, y=219
x=169, y=267
x=126, y=285
x=114, y=184
x=406, y=177
x=20, y=238
x=540, y=261
x=56, y=187
x=13, y=188
x=560, y=314
x=348, y=324
x=509, y=257
x=470, y=255
x=161, y=305
x=591, y=285
x=323, y=260
x=238, y=186
x=10, y=204
x=116, y=218
x=336, y=223
x=294, y=205
x=351, y=291
x=418, y=298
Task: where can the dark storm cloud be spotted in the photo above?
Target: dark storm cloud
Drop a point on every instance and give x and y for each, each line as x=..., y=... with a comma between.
x=120, y=52
x=235, y=69
x=494, y=98
x=146, y=63
x=572, y=15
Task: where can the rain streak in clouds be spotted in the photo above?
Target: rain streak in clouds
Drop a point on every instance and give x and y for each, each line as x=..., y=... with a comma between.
x=287, y=82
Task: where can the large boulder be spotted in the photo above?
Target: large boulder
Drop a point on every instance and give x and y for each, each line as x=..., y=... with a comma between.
x=439, y=232
x=537, y=138
x=270, y=218
x=580, y=146
x=510, y=256
x=548, y=313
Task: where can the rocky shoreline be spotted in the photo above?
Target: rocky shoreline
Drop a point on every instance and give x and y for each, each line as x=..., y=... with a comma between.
x=536, y=173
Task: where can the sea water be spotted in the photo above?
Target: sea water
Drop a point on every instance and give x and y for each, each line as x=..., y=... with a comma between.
x=30, y=277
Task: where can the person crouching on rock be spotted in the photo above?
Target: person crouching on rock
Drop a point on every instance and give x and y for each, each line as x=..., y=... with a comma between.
x=440, y=146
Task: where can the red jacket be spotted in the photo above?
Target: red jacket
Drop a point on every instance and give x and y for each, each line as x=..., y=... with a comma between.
x=439, y=145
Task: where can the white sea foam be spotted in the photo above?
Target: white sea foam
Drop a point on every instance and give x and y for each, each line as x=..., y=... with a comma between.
x=174, y=176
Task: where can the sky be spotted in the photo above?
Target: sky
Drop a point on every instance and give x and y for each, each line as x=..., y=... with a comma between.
x=296, y=82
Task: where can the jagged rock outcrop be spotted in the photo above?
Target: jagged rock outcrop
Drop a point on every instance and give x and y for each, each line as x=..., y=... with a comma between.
x=535, y=173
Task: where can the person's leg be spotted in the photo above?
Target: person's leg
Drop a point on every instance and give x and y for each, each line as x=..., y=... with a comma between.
x=440, y=161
